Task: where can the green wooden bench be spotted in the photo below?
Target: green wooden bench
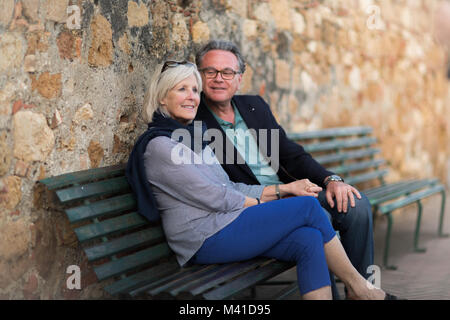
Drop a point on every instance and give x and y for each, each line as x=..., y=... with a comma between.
x=125, y=248
x=350, y=152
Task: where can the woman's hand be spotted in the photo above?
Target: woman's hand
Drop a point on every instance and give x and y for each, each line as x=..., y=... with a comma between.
x=302, y=187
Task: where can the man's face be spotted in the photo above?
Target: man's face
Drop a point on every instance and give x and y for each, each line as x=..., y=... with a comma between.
x=217, y=90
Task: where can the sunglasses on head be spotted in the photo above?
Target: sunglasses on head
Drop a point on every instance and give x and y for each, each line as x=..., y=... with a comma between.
x=172, y=64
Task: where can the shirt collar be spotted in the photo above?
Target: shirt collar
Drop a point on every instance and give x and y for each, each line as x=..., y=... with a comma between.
x=237, y=117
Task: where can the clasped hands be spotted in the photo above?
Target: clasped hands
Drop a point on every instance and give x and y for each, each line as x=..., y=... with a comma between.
x=342, y=192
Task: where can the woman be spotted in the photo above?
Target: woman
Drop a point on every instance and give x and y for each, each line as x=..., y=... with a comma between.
x=209, y=219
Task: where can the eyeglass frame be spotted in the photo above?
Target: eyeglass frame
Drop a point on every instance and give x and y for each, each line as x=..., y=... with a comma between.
x=219, y=71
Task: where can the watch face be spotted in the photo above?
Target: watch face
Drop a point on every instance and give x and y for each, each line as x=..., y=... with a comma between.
x=333, y=178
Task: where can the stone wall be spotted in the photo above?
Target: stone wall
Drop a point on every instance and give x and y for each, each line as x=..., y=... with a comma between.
x=73, y=75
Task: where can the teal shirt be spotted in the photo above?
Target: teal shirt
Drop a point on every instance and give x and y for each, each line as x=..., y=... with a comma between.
x=246, y=145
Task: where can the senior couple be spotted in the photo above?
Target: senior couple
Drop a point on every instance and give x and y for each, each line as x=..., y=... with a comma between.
x=220, y=212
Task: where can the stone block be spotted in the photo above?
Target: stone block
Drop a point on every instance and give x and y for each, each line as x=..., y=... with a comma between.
x=14, y=239
x=250, y=28
x=21, y=168
x=96, y=153
x=137, y=14
x=200, y=32
x=56, y=10
x=37, y=42
x=7, y=95
x=66, y=43
x=29, y=64
x=83, y=114
x=180, y=32
x=101, y=50
x=281, y=14
x=282, y=74
x=6, y=12
x=11, y=52
x=5, y=154
x=48, y=85
x=31, y=10
x=33, y=139
x=12, y=193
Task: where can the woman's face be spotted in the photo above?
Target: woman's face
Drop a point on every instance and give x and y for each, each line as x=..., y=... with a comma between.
x=182, y=101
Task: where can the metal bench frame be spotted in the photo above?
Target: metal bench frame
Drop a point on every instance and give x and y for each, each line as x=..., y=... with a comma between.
x=348, y=151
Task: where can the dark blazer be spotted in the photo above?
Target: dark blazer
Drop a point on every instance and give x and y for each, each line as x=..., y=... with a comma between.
x=294, y=161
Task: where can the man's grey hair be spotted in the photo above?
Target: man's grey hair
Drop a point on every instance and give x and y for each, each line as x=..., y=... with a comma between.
x=221, y=45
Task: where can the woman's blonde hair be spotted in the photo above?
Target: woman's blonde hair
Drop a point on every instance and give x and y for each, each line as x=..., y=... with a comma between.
x=162, y=82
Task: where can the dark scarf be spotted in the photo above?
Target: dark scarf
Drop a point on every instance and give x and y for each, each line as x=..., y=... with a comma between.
x=135, y=170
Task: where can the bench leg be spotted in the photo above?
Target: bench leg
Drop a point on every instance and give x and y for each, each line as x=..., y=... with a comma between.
x=441, y=218
x=417, y=232
x=387, y=243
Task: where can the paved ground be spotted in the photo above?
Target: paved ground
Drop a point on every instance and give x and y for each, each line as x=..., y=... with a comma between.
x=420, y=276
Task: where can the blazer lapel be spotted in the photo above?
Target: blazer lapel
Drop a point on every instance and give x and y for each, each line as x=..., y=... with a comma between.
x=204, y=114
x=253, y=120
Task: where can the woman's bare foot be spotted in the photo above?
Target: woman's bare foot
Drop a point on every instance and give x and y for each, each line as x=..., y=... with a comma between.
x=364, y=290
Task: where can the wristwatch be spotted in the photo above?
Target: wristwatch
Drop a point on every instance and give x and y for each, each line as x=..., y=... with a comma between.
x=332, y=178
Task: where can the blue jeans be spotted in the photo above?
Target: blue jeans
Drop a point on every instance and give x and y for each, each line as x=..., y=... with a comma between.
x=293, y=229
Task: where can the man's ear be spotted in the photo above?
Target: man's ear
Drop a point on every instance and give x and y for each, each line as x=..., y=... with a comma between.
x=239, y=79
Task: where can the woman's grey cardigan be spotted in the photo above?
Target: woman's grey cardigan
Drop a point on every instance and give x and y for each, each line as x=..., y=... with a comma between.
x=195, y=197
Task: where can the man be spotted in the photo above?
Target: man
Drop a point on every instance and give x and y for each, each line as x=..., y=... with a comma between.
x=222, y=66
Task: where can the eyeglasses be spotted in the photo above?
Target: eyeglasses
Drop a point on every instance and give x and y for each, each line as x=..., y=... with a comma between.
x=211, y=73
x=172, y=64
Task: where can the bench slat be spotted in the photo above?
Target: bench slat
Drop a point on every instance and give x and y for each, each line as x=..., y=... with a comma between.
x=339, y=144
x=400, y=191
x=365, y=176
x=411, y=199
x=132, y=261
x=203, y=285
x=343, y=169
x=173, y=282
x=385, y=189
x=253, y=277
x=102, y=208
x=96, y=230
x=342, y=156
x=221, y=269
x=71, y=178
x=124, y=243
x=99, y=188
x=330, y=133
x=167, y=280
x=139, y=280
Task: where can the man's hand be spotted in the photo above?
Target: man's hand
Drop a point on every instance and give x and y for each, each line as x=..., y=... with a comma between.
x=342, y=192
